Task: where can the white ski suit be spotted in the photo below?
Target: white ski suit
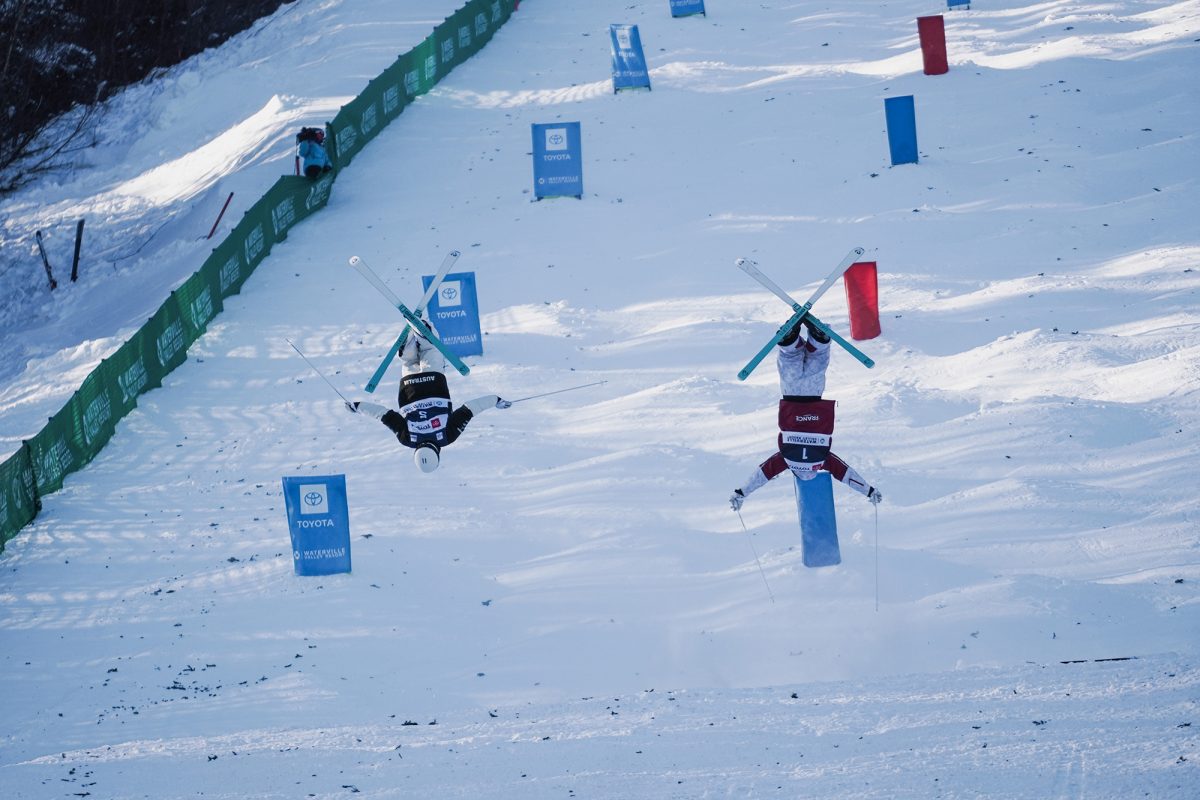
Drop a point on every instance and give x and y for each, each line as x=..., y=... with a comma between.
x=805, y=421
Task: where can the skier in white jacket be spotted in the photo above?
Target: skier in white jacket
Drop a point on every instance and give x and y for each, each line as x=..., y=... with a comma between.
x=805, y=420
x=427, y=421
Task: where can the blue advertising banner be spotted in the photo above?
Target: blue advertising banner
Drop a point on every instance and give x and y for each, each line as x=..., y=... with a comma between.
x=319, y=521
x=685, y=8
x=628, y=61
x=902, y=129
x=951, y=4
x=557, y=160
x=454, y=311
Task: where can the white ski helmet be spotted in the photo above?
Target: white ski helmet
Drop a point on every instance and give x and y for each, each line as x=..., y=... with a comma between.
x=426, y=457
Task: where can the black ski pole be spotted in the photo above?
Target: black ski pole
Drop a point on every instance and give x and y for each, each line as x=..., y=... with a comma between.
x=558, y=391
x=753, y=549
x=322, y=374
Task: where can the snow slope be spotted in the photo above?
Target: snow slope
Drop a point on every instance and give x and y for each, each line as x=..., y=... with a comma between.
x=170, y=152
x=568, y=607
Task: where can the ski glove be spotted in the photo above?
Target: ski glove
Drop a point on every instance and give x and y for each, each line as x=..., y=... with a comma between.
x=371, y=409
x=503, y=403
x=874, y=495
x=736, y=499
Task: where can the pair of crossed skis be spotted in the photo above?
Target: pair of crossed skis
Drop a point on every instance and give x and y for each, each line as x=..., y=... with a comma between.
x=801, y=312
x=418, y=324
x=411, y=316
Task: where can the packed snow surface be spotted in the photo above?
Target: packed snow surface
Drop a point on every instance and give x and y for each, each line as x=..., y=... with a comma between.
x=568, y=607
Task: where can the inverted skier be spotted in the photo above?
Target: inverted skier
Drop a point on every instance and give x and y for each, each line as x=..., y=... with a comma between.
x=805, y=420
x=427, y=421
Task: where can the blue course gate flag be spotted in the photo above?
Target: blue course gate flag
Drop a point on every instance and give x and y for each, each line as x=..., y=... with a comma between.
x=319, y=521
x=454, y=311
x=685, y=8
x=902, y=129
x=557, y=160
x=628, y=61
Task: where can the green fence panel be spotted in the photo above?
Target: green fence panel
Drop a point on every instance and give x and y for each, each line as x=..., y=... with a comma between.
x=360, y=120
x=424, y=62
x=78, y=432
x=131, y=369
x=294, y=198
x=98, y=414
x=54, y=451
x=446, y=38
x=500, y=11
x=422, y=67
x=228, y=262
x=395, y=90
x=169, y=333
x=18, y=494
x=481, y=19
x=254, y=234
x=311, y=196
x=199, y=299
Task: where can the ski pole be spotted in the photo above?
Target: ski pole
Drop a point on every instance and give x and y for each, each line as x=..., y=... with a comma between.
x=558, y=391
x=876, y=557
x=750, y=539
x=314, y=369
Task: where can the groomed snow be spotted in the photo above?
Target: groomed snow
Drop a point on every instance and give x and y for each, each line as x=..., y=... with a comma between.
x=568, y=607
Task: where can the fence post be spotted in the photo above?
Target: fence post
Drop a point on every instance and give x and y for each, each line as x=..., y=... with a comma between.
x=75, y=261
x=46, y=261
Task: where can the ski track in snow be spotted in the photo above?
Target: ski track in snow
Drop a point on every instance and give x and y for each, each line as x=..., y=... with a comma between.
x=568, y=608
x=1022, y=730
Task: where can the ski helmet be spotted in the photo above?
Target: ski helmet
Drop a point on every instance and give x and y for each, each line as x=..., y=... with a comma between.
x=426, y=457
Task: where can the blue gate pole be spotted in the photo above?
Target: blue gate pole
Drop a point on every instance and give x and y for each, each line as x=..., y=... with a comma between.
x=902, y=129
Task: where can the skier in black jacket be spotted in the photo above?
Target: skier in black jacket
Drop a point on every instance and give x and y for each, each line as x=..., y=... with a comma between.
x=427, y=421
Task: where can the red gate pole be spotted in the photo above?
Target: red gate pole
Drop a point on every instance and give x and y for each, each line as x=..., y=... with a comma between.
x=932, y=31
x=862, y=298
x=218, y=222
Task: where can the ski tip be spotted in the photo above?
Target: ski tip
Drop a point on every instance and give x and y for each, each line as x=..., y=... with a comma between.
x=858, y=251
x=354, y=260
x=455, y=253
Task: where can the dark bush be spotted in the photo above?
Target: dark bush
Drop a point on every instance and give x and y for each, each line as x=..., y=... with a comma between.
x=58, y=54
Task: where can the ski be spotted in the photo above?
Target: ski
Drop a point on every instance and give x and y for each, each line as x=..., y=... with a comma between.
x=818, y=521
x=443, y=271
x=751, y=269
x=801, y=311
x=416, y=323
